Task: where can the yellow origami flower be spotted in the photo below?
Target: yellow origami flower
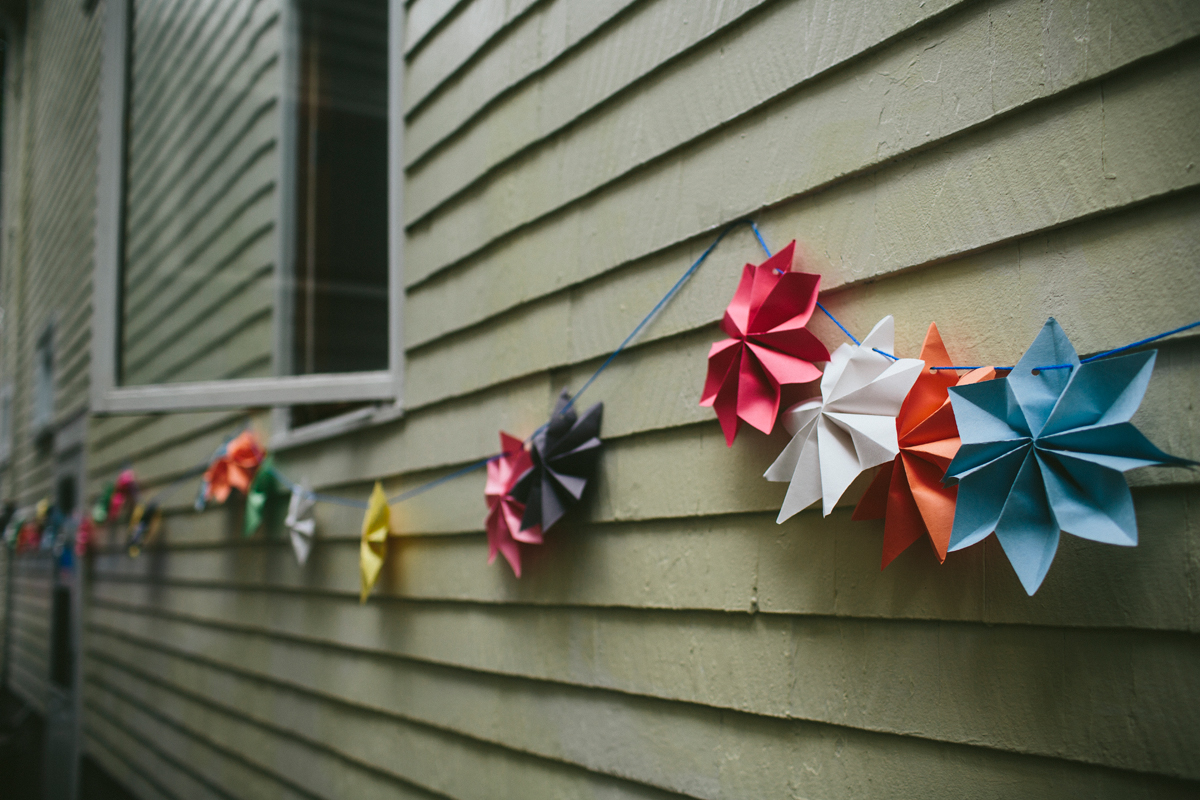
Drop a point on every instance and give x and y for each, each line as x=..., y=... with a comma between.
x=374, y=539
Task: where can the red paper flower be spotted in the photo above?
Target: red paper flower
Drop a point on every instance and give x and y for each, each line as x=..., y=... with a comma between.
x=907, y=493
x=125, y=489
x=504, y=513
x=768, y=346
x=235, y=468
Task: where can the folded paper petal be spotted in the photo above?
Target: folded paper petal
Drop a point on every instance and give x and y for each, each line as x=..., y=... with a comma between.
x=768, y=346
x=1043, y=451
x=301, y=525
x=503, y=521
x=375, y=527
x=851, y=428
x=915, y=503
x=563, y=458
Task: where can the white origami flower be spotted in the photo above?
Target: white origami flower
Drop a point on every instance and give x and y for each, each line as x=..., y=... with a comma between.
x=300, y=523
x=851, y=428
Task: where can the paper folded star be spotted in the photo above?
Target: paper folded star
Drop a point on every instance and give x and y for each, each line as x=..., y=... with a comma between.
x=768, y=345
x=144, y=524
x=234, y=468
x=504, y=513
x=850, y=428
x=1044, y=451
x=907, y=493
x=125, y=490
x=564, y=456
x=299, y=521
x=375, y=527
x=264, y=499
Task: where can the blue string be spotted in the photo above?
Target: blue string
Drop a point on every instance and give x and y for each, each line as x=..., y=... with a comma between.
x=1096, y=357
x=1106, y=353
x=666, y=299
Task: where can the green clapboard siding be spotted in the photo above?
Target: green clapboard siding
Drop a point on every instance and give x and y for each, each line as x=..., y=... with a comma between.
x=983, y=164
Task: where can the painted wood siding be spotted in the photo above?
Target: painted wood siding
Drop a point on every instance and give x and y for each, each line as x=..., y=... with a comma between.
x=202, y=173
x=979, y=164
x=45, y=278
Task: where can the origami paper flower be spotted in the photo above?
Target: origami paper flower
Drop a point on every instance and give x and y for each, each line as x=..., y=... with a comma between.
x=504, y=513
x=263, y=498
x=300, y=523
x=375, y=528
x=768, y=345
x=234, y=468
x=1043, y=452
x=144, y=524
x=851, y=428
x=564, y=455
x=124, y=490
x=908, y=493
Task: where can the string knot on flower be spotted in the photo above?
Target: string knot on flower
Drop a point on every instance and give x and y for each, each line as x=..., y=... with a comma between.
x=768, y=345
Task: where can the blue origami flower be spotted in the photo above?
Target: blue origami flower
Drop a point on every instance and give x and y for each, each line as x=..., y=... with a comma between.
x=1043, y=452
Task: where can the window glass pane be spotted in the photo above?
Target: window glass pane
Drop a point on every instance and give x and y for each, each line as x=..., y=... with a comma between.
x=340, y=294
x=223, y=276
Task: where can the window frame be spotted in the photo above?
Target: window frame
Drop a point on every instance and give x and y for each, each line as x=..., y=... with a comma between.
x=107, y=396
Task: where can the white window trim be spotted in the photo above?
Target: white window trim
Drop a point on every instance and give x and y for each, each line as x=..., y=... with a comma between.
x=107, y=397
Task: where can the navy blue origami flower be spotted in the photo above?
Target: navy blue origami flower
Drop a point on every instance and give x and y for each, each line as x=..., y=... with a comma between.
x=1044, y=450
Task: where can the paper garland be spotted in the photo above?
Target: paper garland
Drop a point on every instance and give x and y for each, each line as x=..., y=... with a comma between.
x=1043, y=452
x=908, y=493
x=564, y=456
x=769, y=345
x=850, y=428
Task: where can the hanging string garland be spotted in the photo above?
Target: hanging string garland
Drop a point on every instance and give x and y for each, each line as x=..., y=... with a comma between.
x=1101, y=507
x=908, y=493
x=768, y=345
x=1054, y=465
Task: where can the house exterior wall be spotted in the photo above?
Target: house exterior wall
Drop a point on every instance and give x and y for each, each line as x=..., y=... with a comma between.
x=50, y=112
x=980, y=164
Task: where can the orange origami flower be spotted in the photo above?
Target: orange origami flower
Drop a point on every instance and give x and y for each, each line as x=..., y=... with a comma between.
x=769, y=345
x=907, y=493
x=235, y=468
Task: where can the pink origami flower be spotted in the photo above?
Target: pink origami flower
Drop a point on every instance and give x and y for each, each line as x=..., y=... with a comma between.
x=504, y=513
x=125, y=489
x=769, y=346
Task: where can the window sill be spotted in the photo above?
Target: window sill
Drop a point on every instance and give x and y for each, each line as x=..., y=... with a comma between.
x=287, y=439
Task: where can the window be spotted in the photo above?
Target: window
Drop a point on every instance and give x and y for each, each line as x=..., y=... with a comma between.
x=249, y=225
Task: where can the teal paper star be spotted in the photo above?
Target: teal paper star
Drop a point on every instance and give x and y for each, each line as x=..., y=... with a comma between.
x=1044, y=451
